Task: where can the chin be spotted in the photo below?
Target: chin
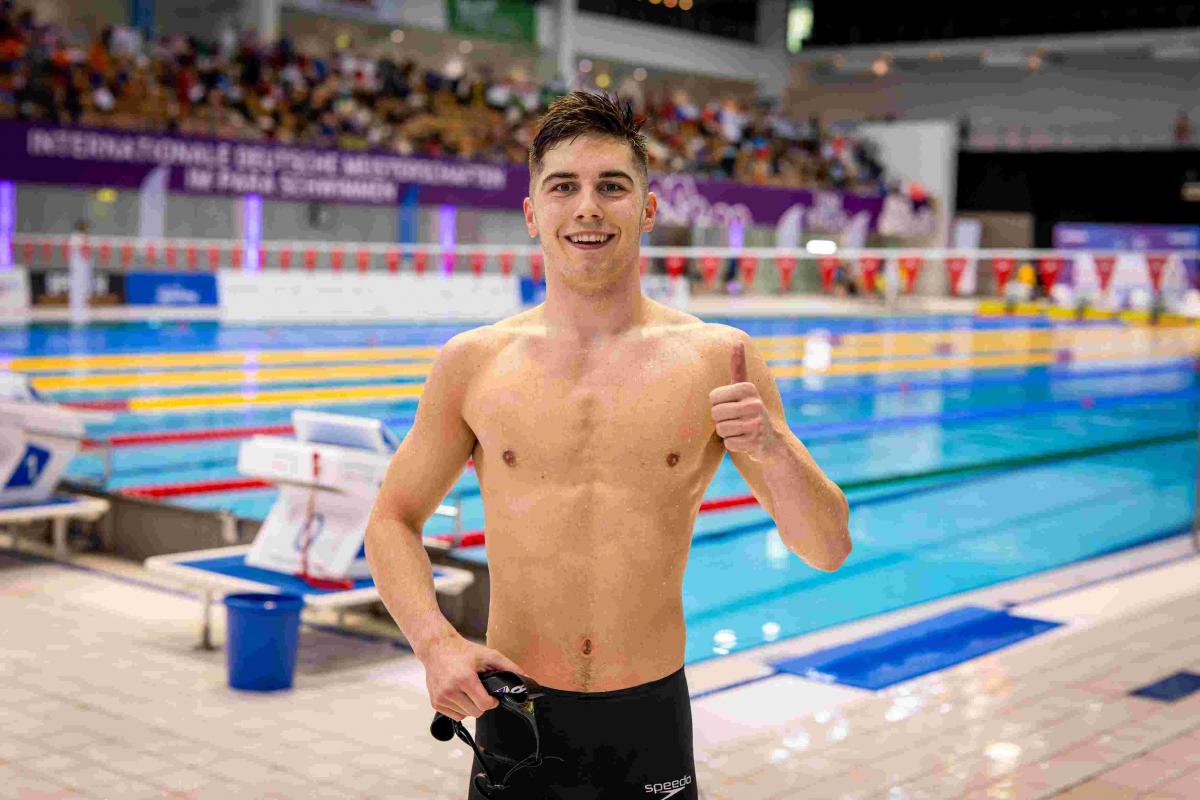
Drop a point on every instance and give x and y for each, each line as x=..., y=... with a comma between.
x=592, y=283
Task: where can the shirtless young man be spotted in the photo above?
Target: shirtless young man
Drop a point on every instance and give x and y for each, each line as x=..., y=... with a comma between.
x=596, y=422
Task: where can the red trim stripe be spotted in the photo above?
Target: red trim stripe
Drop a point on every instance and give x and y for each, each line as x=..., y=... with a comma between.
x=179, y=437
x=99, y=405
x=197, y=487
x=724, y=503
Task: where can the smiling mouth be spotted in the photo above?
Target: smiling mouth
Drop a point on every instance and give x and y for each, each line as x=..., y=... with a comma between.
x=590, y=241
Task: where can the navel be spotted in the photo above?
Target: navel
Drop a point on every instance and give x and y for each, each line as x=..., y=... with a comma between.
x=672, y=459
x=510, y=458
x=587, y=647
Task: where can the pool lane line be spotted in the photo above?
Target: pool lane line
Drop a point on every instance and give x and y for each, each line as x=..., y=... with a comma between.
x=964, y=473
x=812, y=433
x=335, y=395
x=181, y=437
x=253, y=375
x=1013, y=463
x=983, y=469
x=352, y=394
x=193, y=488
x=228, y=377
x=826, y=431
x=372, y=354
x=218, y=358
x=1053, y=375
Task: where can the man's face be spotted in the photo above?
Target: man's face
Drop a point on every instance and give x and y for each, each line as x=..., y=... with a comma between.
x=590, y=206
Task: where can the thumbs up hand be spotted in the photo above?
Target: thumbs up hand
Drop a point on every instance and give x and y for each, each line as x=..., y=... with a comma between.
x=738, y=411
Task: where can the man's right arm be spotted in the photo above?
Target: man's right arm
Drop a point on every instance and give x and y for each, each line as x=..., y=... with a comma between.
x=423, y=469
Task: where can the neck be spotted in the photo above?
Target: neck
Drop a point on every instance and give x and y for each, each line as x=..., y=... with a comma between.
x=594, y=315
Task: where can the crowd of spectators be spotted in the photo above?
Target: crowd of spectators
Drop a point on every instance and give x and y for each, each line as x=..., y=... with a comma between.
x=239, y=89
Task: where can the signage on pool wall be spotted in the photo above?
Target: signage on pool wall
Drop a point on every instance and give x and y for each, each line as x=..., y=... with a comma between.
x=14, y=294
x=341, y=297
x=170, y=289
x=93, y=157
x=52, y=288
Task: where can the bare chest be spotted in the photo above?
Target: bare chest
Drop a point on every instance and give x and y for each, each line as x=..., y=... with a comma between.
x=598, y=418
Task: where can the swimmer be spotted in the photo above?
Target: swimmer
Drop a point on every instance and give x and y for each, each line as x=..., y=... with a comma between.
x=596, y=422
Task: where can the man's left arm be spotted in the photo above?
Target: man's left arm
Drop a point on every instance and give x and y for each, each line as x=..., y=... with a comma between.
x=809, y=509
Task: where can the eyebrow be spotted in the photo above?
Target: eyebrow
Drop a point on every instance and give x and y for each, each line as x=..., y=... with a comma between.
x=574, y=176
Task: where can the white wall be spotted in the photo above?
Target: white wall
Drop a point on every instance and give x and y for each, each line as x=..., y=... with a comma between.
x=1100, y=103
x=925, y=152
x=423, y=13
x=612, y=38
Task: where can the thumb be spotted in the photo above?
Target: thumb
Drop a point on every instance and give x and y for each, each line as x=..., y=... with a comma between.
x=737, y=363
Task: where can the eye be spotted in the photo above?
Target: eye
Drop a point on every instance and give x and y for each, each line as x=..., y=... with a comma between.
x=613, y=187
x=559, y=188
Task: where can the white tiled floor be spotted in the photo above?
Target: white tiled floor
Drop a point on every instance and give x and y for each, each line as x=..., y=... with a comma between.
x=104, y=697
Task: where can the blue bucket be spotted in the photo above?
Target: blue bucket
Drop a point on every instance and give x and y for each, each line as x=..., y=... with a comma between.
x=263, y=631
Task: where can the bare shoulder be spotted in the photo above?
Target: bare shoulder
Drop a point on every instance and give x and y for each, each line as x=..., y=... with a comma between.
x=724, y=336
x=465, y=353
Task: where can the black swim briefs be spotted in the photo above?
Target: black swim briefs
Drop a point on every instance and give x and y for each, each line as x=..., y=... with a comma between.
x=630, y=743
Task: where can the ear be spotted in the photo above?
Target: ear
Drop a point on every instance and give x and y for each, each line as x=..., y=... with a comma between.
x=649, y=212
x=530, y=221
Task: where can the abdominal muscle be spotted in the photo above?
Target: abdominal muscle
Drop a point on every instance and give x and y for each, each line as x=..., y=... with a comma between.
x=589, y=610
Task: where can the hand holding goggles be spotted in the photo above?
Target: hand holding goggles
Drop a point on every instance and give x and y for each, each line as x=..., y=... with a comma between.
x=516, y=694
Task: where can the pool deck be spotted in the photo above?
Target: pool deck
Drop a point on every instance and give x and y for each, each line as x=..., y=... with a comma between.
x=105, y=697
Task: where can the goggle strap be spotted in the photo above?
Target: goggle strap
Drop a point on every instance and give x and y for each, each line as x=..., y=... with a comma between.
x=461, y=731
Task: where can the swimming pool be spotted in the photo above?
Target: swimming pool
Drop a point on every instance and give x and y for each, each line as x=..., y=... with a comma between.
x=1016, y=452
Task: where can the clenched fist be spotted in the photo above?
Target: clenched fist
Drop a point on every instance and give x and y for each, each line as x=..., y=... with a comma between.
x=738, y=411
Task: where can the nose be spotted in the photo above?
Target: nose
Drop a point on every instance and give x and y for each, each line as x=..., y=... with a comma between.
x=588, y=208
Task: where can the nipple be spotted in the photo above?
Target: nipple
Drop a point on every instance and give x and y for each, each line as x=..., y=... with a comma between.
x=672, y=459
x=510, y=458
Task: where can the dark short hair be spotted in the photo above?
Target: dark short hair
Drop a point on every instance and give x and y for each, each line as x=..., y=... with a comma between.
x=582, y=113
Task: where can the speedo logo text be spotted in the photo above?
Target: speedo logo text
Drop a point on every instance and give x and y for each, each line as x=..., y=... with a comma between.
x=669, y=789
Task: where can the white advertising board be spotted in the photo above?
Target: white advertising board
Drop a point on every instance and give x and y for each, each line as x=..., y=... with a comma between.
x=354, y=297
x=14, y=295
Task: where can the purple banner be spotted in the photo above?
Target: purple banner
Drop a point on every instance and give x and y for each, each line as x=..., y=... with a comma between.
x=120, y=159
x=1106, y=236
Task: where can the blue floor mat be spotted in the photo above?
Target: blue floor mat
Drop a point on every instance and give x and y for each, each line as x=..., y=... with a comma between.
x=894, y=656
x=1171, y=688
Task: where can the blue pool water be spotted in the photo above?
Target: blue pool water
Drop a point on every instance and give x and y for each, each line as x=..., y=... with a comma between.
x=957, y=479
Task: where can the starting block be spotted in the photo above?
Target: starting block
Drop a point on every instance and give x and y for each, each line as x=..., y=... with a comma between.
x=37, y=442
x=328, y=478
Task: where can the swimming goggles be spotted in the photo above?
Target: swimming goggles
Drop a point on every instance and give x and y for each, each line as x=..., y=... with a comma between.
x=515, y=694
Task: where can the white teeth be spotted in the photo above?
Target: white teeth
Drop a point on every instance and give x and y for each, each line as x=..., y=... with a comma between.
x=589, y=238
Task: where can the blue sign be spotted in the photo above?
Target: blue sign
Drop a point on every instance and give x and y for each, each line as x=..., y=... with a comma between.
x=532, y=292
x=170, y=289
x=29, y=468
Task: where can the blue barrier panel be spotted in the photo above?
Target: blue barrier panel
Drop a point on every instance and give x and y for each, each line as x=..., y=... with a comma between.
x=170, y=289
